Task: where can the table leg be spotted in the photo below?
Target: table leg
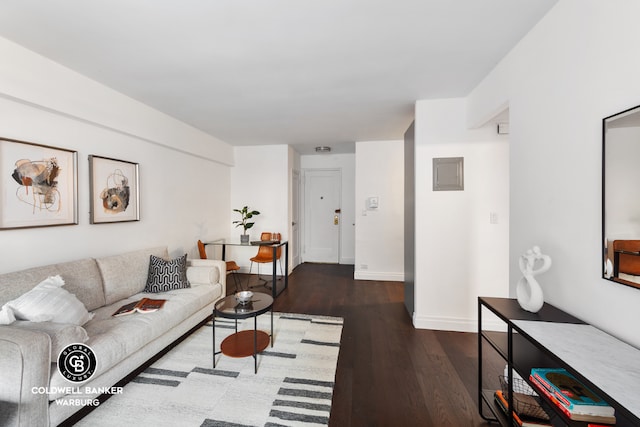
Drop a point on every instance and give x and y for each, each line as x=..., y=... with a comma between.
x=213, y=346
x=286, y=265
x=271, y=326
x=274, y=283
x=255, y=344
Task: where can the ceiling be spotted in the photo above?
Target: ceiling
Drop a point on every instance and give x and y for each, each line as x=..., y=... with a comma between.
x=297, y=72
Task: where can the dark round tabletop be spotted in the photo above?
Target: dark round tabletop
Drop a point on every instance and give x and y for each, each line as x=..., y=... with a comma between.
x=229, y=308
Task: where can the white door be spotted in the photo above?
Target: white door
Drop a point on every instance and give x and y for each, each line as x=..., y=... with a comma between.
x=294, y=242
x=322, y=220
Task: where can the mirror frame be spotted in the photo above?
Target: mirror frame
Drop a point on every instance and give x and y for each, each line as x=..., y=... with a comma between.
x=624, y=252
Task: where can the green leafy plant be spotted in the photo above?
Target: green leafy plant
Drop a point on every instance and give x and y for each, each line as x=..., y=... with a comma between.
x=246, y=215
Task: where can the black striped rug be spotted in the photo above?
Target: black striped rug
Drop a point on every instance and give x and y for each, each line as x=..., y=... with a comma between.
x=293, y=386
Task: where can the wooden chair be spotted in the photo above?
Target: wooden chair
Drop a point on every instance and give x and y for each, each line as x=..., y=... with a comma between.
x=232, y=267
x=265, y=254
x=626, y=259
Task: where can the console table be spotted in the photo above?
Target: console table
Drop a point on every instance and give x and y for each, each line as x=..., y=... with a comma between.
x=275, y=290
x=552, y=338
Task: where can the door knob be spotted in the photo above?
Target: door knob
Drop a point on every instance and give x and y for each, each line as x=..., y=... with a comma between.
x=336, y=219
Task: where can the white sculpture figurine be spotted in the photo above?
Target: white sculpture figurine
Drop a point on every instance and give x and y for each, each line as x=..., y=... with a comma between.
x=528, y=291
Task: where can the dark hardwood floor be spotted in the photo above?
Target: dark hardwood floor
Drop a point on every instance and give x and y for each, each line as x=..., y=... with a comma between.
x=389, y=373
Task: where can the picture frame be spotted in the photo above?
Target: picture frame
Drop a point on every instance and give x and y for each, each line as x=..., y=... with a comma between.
x=38, y=185
x=115, y=190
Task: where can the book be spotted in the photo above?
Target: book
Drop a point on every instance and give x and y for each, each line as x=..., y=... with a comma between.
x=145, y=305
x=571, y=393
x=521, y=420
x=572, y=416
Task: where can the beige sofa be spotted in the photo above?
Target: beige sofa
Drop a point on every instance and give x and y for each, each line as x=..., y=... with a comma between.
x=33, y=392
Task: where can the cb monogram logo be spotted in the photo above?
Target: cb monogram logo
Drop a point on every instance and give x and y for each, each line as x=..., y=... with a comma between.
x=77, y=363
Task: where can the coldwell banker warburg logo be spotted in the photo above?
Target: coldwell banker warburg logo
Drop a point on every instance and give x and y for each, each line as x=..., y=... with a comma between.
x=77, y=363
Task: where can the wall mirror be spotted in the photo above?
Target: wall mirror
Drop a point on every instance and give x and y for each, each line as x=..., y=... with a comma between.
x=621, y=197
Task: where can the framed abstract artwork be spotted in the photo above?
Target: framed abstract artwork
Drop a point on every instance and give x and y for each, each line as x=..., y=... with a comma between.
x=38, y=185
x=115, y=192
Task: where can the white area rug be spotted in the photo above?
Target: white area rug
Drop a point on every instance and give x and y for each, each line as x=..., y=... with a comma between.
x=293, y=386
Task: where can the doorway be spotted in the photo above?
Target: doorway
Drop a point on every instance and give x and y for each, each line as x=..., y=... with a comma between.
x=322, y=219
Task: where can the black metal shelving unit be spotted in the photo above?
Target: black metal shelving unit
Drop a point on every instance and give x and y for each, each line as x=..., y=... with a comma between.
x=521, y=353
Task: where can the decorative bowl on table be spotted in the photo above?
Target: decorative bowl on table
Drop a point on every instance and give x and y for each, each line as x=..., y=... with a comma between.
x=244, y=297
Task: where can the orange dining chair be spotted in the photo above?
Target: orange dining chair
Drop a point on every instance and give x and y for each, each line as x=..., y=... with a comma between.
x=232, y=267
x=265, y=253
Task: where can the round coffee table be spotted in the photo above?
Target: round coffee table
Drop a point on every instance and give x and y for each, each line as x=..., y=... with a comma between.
x=244, y=343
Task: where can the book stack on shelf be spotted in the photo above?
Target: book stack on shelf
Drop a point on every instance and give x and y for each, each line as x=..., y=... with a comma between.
x=527, y=411
x=572, y=397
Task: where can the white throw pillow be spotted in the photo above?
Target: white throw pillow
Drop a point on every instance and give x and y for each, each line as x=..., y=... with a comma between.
x=6, y=315
x=49, y=302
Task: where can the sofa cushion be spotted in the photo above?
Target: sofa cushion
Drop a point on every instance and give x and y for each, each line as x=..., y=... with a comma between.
x=201, y=271
x=167, y=275
x=82, y=278
x=113, y=339
x=61, y=334
x=126, y=274
x=49, y=302
x=7, y=316
x=202, y=275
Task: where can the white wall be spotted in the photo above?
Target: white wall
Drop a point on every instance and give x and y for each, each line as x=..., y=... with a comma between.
x=31, y=79
x=184, y=173
x=578, y=65
x=459, y=254
x=379, y=233
x=260, y=179
x=346, y=164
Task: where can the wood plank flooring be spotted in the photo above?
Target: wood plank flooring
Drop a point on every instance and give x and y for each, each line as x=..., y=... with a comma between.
x=389, y=373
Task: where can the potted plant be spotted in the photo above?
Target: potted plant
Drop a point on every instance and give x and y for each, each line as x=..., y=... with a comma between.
x=246, y=215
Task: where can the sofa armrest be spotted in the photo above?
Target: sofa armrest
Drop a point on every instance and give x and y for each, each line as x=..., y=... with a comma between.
x=207, y=271
x=24, y=366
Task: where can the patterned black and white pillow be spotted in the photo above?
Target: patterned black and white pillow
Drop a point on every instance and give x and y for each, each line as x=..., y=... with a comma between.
x=167, y=275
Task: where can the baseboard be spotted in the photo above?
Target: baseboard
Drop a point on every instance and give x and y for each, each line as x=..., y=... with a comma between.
x=378, y=275
x=445, y=323
x=457, y=324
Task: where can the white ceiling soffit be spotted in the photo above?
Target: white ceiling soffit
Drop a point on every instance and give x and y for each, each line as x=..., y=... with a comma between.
x=254, y=72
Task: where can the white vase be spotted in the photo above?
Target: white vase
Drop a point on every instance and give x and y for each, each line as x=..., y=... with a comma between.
x=529, y=294
x=528, y=290
x=244, y=238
